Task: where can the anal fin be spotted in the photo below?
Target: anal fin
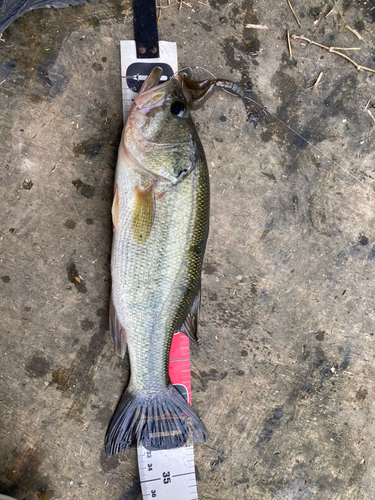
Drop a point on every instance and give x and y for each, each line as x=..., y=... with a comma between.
x=117, y=330
x=190, y=325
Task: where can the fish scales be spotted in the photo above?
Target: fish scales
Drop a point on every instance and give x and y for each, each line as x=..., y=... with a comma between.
x=152, y=271
x=161, y=215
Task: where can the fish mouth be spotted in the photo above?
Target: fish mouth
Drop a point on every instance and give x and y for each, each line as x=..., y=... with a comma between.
x=152, y=80
x=152, y=94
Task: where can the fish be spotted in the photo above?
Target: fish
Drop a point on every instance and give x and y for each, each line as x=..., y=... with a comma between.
x=160, y=217
x=10, y=10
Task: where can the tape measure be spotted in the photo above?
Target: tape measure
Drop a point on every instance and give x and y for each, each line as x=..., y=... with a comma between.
x=164, y=474
x=170, y=474
x=167, y=474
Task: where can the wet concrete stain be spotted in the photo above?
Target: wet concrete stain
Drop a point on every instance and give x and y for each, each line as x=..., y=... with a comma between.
x=368, y=8
x=103, y=415
x=216, y=463
x=87, y=325
x=205, y=26
x=302, y=413
x=361, y=394
x=70, y=224
x=87, y=191
x=94, y=22
x=236, y=50
x=338, y=100
x=73, y=277
x=38, y=366
x=320, y=335
x=288, y=82
x=269, y=176
x=209, y=267
x=371, y=255
x=320, y=369
x=363, y=240
x=34, y=69
x=298, y=489
x=97, y=66
x=7, y=69
x=270, y=426
x=134, y=490
x=109, y=462
x=216, y=4
x=205, y=377
x=251, y=41
x=60, y=378
x=81, y=371
x=77, y=382
x=89, y=148
x=234, y=61
x=77, y=184
x=301, y=142
x=21, y=476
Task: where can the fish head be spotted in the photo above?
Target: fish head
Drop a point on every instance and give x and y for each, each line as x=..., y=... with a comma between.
x=160, y=132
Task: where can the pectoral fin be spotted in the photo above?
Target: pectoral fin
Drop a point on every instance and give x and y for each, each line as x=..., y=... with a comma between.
x=143, y=213
x=115, y=208
x=117, y=330
x=190, y=324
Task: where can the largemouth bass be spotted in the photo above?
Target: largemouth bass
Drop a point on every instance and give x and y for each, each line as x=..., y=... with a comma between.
x=160, y=216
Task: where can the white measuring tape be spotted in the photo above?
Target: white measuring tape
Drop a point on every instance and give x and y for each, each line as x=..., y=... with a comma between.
x=164, y=474
x=167, y=474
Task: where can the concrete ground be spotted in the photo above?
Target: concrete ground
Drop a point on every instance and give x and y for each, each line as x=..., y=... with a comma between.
x=284, y=377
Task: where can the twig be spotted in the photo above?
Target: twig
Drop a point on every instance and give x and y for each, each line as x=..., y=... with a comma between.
x=372, y=116
x=205, y=4
x=159, y=10
x=355, y=32
x=294, y=14
x=289, y=46
x=368, y=102
x=317, y=82
x=345, y=48
x=3, y=81
x=257, y=26
x=180, y=5
x=333, y=51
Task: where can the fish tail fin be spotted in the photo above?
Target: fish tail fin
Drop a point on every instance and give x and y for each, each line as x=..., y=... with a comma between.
x=157, y=421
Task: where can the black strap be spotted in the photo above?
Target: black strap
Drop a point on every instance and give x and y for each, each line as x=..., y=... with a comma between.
x=146, y=29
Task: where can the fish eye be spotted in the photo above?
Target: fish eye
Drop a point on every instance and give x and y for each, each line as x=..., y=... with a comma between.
x=182, y=172
x=178, y=108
